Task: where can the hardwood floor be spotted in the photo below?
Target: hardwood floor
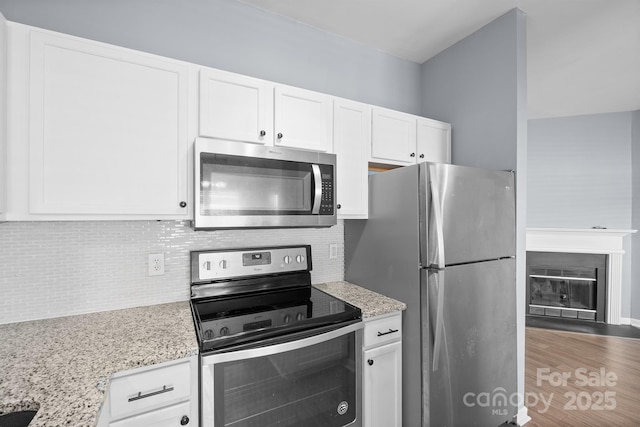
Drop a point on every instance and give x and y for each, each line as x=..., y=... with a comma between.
x=575, y=379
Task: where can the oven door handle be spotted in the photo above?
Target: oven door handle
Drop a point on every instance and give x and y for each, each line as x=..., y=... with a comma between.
x=282, y=344
x=317, y=186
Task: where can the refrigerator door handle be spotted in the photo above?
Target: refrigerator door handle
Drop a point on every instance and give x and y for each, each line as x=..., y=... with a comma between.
x=436, y=204
x=439, y=330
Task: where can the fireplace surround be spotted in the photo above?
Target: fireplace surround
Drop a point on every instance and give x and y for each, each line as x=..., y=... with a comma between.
x=609, y=242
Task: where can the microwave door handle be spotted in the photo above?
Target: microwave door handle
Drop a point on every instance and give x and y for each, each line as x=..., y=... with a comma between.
x=317, y=188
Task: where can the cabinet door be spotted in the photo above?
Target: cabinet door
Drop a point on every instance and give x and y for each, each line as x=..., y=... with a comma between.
x=382, y=391
x=303, y=119
x=235, y=107
x=393, y=137
x=171, y=416
x=434, y=141
x=107, y=130
x=351, y=139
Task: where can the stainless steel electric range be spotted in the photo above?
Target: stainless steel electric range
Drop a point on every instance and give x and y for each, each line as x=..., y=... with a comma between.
x=274, y=349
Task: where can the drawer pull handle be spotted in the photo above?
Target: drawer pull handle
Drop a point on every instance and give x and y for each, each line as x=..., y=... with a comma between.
x=165, y=389
x=391, y=331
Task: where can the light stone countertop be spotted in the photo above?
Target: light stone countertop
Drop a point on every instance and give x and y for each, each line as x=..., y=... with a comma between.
x=62, y=366
x=371, y=303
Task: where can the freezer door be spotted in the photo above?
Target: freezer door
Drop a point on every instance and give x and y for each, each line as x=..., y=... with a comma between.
x=466, y=214
x=468, y=316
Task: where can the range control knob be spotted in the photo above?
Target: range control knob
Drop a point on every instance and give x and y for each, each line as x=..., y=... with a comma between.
x=287, y=319
x=224, y=331
x=300, y=259
x=287, y=259
x=299, y=316
x=208, y=334
x=223, y=264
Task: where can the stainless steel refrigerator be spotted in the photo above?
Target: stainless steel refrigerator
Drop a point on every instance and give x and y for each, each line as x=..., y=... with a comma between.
x=441, y=238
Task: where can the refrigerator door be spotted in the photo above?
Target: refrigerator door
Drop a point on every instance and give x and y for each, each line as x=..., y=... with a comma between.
x=469, y=328
x=466, y=214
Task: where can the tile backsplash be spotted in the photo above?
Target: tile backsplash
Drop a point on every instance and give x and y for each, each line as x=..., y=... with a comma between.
x=53, y=269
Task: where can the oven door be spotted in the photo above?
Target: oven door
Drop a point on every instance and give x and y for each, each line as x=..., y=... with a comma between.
x=244, y=185
x=307, y=380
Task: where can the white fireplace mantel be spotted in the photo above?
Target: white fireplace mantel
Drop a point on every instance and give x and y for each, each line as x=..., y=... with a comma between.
x=592, y=241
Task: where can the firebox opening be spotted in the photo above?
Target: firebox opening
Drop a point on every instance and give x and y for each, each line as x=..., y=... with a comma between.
x=567, y=285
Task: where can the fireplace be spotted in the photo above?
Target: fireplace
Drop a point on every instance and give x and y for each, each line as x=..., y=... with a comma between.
x=609, y=242
x=567, y=285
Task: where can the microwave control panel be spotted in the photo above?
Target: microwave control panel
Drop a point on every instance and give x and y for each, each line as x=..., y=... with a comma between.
x=327, y=201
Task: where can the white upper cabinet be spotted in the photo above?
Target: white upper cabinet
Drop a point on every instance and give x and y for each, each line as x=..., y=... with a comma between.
x=303, y=119
x=240, y=108
x=393, y=137
x=235, y=107
x=433, y=141
x=107, y=129
x=404, y=139
x=351, y=139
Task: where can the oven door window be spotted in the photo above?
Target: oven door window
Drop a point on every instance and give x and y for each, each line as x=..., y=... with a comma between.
x=254, y=186
x=310, y=386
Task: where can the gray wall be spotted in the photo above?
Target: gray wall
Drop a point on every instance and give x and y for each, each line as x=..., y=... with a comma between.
x=479, y=86
x=236, y=37
x=635, y=217
x=474, y=86
x=580, y=171
x=580, y=176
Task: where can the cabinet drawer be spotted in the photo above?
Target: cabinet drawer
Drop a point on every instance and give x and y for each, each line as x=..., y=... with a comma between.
x=382, y=330
x=135, y=392
x=171, y=416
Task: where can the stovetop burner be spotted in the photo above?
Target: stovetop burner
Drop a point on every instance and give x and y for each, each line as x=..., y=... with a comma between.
x=258, y=294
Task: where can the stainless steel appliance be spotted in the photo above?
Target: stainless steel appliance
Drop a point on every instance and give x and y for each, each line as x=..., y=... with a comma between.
x=442, y=239
x=245, y=185
x=275, y=351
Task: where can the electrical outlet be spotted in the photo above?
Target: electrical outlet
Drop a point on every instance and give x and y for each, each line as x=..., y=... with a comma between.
x=156, y=264
x=333, y=251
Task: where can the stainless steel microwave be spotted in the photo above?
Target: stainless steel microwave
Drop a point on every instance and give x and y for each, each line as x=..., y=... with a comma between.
x=241, y=185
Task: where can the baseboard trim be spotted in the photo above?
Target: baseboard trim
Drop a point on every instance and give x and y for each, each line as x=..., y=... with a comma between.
x=630, y=321
x=523, y=416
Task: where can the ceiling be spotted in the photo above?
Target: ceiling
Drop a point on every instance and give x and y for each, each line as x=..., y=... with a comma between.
x=583, y=56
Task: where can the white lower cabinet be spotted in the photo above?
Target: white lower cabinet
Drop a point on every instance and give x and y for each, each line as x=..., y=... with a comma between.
x=382, y=372
x=159, y=395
